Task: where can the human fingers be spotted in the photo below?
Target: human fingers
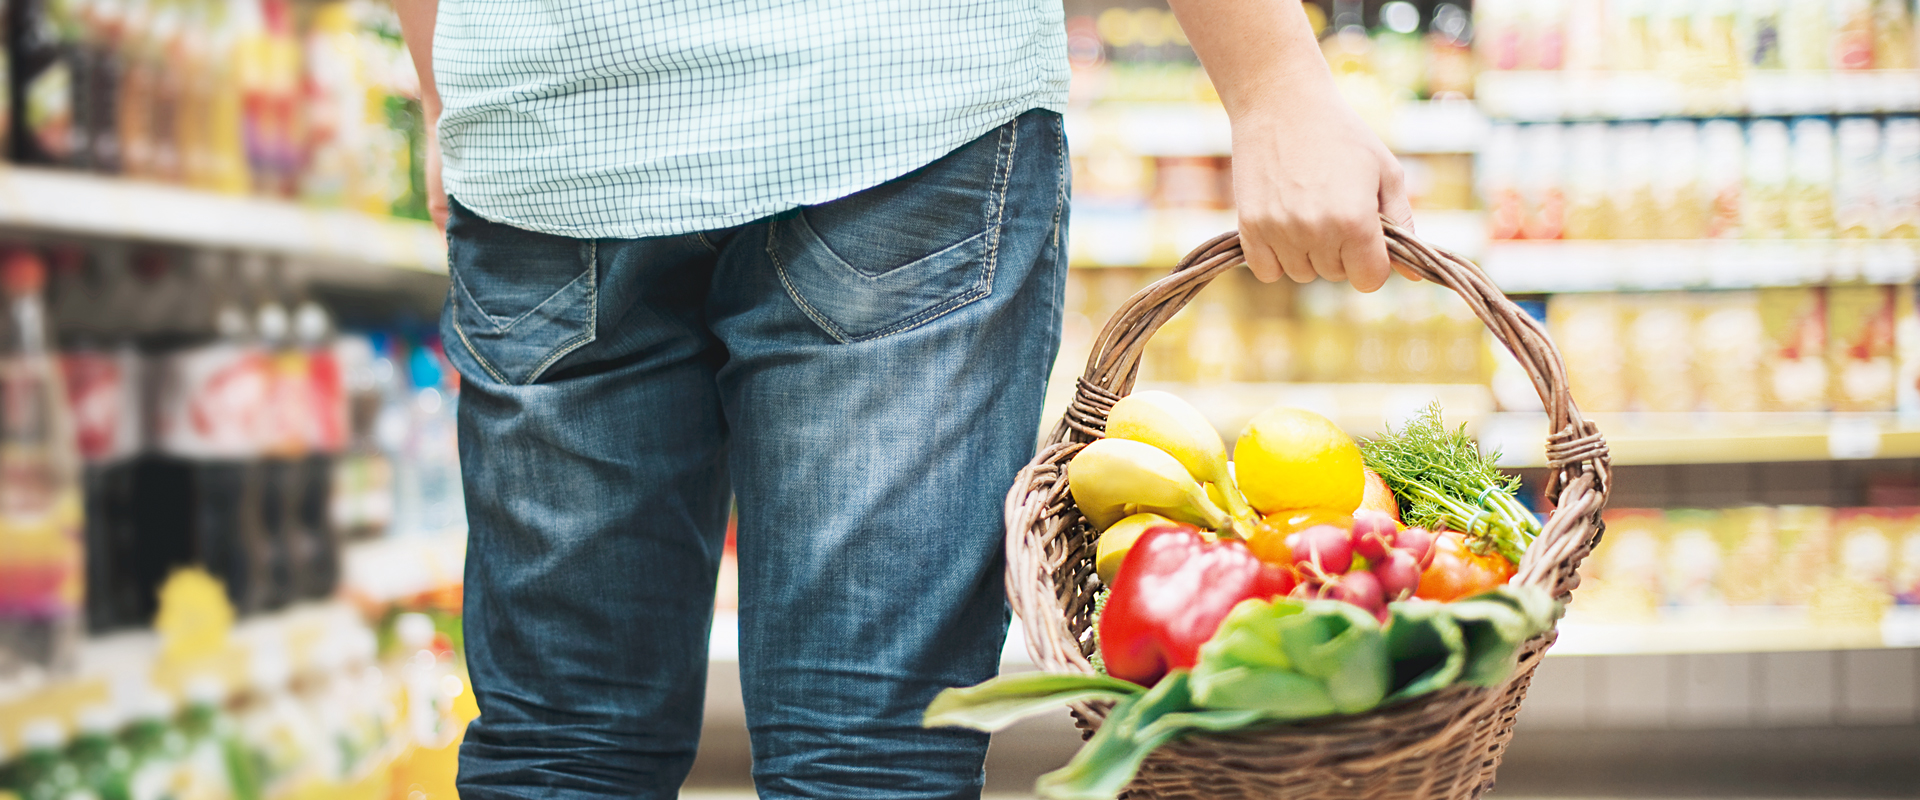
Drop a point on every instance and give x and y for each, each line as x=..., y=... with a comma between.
x=1260, y=258
x=1365, y=258
x=1395, y=206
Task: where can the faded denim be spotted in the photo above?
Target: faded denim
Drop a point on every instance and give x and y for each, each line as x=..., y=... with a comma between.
x=863, y=377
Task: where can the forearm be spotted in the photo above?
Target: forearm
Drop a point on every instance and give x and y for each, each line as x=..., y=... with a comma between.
x=1260, y=54
x=416, y=27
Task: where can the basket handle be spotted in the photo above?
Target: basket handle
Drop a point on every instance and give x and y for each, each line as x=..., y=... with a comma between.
x=1576, y=453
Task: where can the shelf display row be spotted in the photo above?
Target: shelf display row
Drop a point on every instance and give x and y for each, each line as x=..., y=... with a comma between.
x=200, y=411
x=271, y=98
x=1545, y=96
x=1806, y=178
x=305, y=704
x=1696, y=40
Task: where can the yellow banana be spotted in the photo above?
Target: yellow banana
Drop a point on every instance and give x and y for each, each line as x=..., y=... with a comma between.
x=1165, y=421
x=1116, y=541
x=1115, y=478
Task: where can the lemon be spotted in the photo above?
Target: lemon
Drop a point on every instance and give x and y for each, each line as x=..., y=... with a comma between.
x=1290, y=458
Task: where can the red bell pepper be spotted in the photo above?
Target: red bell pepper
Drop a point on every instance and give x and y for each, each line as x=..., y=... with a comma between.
x=1169, y=597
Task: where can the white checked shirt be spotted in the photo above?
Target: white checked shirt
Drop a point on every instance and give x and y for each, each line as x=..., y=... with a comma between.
x=632, y=118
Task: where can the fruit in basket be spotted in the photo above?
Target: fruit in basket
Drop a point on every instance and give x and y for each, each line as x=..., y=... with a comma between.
x=1321, y=552
x=1458, y=572
x=1169, y=597
x=1399, y=575
x=1290, y=458
x=1112, y=479
x=1378, y=496
x=1117, y=540
x=1373, y=534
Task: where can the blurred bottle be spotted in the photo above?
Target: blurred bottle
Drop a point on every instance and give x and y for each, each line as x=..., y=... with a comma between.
x=1543, y=155
x=1900, y=177
x=101, y=370
x=1724, y=161
x=103, y=32
x=41, y=553
x=48, y=83
x=1399, y=54
x=42, y=772
x=325, y=432
x=427, y=475
x=1450, y=52
x=104, y=764
x=426, y=675
x=283, y=443
x=1856, y=191
x=210, y=408
x=1679, y=210
x=1810, y=180
x=1769, y=155
x=1760, y=24
x=1894, y=45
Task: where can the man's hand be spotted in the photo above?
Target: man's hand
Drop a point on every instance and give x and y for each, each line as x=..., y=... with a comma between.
x=1309, y=178
x=416, y=27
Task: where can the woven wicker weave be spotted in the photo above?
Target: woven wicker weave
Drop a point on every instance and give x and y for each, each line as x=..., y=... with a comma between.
x=1445, y=745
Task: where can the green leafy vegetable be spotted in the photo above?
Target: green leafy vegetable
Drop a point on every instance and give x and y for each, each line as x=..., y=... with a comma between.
x=1442, y=480
x=1010, y=698
x=1270, y=662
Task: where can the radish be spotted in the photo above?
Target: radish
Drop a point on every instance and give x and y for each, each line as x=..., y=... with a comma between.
x=1361, y=589
x=1417, y=542
x=1399, y=575
x=1327, y=548
x=1373, y=534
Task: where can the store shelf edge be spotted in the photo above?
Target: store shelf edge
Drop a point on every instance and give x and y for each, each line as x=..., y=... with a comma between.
x=38, y=200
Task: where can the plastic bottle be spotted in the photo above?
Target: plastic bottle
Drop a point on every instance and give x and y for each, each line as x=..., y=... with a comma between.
x=325, y=432
x=41, y=554
x=105, y=766
x=48, y=83
x=42, y=772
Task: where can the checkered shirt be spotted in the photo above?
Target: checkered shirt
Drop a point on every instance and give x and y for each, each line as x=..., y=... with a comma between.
x=604, y=118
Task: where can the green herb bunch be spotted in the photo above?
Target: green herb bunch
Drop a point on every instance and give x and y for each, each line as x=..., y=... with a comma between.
x=1442, y=480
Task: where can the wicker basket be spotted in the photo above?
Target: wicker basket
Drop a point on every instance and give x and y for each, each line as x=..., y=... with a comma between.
x=1443, y=745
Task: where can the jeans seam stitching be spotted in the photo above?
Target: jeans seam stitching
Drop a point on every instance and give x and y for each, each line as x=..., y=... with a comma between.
x=474, y=351
x=1060, y=178
x=593, y=316
x=704, y=241
x=793, y=292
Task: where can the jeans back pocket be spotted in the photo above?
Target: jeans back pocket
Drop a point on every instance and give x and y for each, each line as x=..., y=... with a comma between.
x=520, y=300
x=896, y=256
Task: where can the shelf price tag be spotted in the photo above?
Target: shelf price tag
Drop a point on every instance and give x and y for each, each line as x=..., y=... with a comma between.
x=1853, y=438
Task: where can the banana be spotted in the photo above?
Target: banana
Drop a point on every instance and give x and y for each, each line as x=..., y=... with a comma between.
x=1115, y=478
x=1165, y=421
x=1116, y=541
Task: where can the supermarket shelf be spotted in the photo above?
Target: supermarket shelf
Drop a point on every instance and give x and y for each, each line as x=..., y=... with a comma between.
x=1361, y=409
x=1644, y=438
x=1146, y=237
x=1202, y=129
x=1546, y=96
x=1600, y=266
x=52, y=201
x=1743, y=630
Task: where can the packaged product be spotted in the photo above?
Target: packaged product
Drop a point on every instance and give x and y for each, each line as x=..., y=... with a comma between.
x=1377, y=331
x=1906, y=346
x=1904, y=525
x=1659, y=360
x=1900, y=178
x=1860, y=347
x=1893, y=39
x=1188, y=182
x=1806, y=32
x=1693, y=558
x=1748, y=538
x=1852, y=34
x=1589, y=208
x=1499, y=175
x=1759, y=36
x=1810, y=184
x=1806, y=546
x=1631, y=180
x=1327, y=340
x=1544, y=153
x=1856, y=195
x=1728, y=347
x=1794, y=364
x=1679, y=210
x=1764, y=212
x=1589, y=330
x=1621, y=580
x=1863, y=547
x=1722, y=163
x=1629, y=34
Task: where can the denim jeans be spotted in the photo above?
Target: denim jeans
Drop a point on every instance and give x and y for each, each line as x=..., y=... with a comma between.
x=862, y=378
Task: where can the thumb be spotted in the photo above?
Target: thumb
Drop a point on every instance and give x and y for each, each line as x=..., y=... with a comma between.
x=1395, y=206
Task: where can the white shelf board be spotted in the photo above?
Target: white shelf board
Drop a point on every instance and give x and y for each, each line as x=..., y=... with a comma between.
x=1542, y=96
x=1171, y=129
x=80, y=204
x=1521, y=267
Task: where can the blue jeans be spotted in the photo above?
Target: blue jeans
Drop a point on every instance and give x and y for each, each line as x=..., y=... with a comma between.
x=862, y=378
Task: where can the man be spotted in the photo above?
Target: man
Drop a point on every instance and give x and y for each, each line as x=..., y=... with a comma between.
x=808, y=257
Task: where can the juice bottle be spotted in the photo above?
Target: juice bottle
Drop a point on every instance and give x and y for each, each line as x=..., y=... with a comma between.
x=1810, y=182
x=1764, y=212
x=1724, y=160
x=41, y=555
x=1900, y=177
x=49, y=76
x=325, y=431
x=1856, y=195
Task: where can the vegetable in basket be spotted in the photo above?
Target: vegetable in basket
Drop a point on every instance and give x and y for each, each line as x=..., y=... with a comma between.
x=1170, y=596
x=1444, y=482
x=1270, y=662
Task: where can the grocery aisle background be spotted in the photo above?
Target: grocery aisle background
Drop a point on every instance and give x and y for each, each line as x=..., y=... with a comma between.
x=229, y=514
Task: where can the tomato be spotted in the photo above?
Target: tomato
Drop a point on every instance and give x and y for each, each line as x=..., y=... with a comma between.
x=1269, y=539
x=1458, y=572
